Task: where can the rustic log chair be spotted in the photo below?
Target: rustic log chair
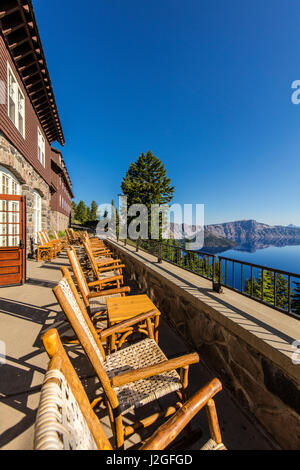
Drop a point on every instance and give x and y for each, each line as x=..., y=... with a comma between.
x=54, y=242
x=45, y=251
x=102, y=257
x=94, y=240
x=69, y=237
x=111, y=275
x=66, y=421
x=124, y=375
x=93, y=301
x=73, y=238
x=77, y=236
x=98, y=250
x=97, y=312
x=47, y=240
x=63, y=241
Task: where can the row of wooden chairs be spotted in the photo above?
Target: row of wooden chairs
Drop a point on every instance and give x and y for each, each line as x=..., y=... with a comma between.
x=48, y=248
x=74, y=238
x=129, y=377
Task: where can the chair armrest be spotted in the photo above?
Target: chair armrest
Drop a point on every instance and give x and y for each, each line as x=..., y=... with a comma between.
x=146, y=372
x=105, y=281
x=101, y=252
x=121, y=290
x=111, y=261
x=166, y=433
x=111, y=268
x=127, y=323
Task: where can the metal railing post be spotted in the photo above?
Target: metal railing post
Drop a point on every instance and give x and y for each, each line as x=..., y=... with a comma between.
x=216, y=284
x=138, y=244
x=159, y=255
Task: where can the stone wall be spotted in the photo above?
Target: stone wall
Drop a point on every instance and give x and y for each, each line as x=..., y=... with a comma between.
x=30, y=181
x=58, y=221
x=265, y=390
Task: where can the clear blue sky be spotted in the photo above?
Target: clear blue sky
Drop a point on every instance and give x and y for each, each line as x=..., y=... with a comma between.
x=204, y=84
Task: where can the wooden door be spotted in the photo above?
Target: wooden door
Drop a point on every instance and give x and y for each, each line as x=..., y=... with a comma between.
x=12, y=240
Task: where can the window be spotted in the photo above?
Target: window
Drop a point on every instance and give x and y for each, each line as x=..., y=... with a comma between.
x=16, y=103
x=41, y=148
x=8, y=183
x=37, y=214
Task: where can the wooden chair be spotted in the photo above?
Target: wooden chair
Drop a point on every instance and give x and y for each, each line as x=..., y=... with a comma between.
x=45, y=251
x=77, y=237
x=63, y=241
x=111, y=275
x=54, y=242
x=73, y=238
x=93, y=301
x=124, y=375
x=66, y=421
x=69, y=237
x=97, y=311
x=98, y=250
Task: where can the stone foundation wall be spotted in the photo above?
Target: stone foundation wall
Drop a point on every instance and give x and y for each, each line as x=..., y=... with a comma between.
x=29, y=180
x=265, y=390
x=58, y=221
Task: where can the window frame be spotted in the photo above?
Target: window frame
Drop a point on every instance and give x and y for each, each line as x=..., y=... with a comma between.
x=39, y=137
x=37, y=214
x=17, y=92
x=12, y=182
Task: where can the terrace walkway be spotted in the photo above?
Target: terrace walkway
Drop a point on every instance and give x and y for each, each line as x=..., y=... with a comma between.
x=27, y=312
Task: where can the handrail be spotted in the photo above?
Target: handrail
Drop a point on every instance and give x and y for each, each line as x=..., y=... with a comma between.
x=274, y=289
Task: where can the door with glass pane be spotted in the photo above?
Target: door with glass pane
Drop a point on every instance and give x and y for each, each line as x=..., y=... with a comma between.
x=12, y=240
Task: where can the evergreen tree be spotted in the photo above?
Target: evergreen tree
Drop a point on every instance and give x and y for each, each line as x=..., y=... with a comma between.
x=295, y=304
x=74, y=206
x=81, y=212
x=146, y=182
x=93, y=211
x=269, y=289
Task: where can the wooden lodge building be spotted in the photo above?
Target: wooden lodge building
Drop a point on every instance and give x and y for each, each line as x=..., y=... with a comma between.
x=33, y=176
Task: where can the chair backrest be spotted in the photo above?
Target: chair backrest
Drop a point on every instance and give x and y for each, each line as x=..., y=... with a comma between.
x=46, y=237
x=55, y=234
x=69, y=235
x=91, y=260
x=65, y=419
x=71, y=304
x=41, y=238
x=79, y=275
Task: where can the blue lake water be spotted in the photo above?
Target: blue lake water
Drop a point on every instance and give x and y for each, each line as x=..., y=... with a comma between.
x=285, y=258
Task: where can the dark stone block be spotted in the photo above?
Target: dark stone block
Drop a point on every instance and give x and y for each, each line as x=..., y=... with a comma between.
x=281, y=386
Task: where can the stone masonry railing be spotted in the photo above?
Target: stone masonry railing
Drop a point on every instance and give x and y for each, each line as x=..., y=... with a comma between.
x=249, y=346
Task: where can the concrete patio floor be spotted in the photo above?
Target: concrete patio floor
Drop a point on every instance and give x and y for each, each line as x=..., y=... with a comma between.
x=27, y=312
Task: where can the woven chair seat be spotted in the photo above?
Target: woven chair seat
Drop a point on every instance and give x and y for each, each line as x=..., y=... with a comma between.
x=109, y=274
x=99, y=305
x=103, y=259
x=138, y=355
x=60, y=424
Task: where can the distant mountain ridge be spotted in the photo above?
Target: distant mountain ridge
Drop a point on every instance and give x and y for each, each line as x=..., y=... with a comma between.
x=242, y=233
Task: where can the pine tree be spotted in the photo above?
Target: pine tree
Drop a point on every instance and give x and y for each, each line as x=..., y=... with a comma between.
x=146, y=182
x=295, y=304
x=94, y=211
x=81, y=212
x=74, y=206
x=269, y=289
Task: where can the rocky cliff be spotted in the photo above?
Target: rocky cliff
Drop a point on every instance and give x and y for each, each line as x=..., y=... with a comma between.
x=247, y=231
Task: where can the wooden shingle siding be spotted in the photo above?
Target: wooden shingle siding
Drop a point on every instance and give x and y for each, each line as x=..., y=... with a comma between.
x=28, y=147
